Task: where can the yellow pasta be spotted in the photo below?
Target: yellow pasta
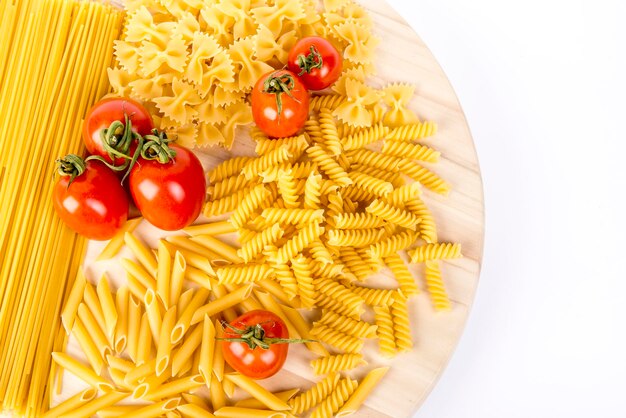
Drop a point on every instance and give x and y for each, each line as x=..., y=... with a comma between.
x=328, y=165
x=88, y=346
x=205, y=368
x=302, y=271
x=121, y=328
x=139, y=273
x=336, y=399
x=426, y=177
x=401, y=325
x=144, y=342
x=312, y=397
x=258, y=392
x=165, y=345
x=409, y=150
x=174, y=387
x=107, y=304
x=219, y=247
x=154, y=410
x=142, y=253
x=90, y=408
x=134, y=322
x=412, y=132
x=184, y=320
x=405, y=279
x=304, y=330
x=339, y=362
x=435, y=286
x=299, y=242
x=218, y=305
x=72, y=403
x=426, y=228
x=243, y=273
x=354, y=237
x=354, y=263
x=96, y=333
x=90, y=300
x=328, y=101
x=185, y=351
x=360, y=139
x=373, y=185
x=361, y=393
x=337, y=339
x=71, y=305
x=374, y=297
x=248, y=205
x=394, y=215
x=194, y=411
x=213, y=228
x=436, y=251
x=385, y=331
x=84, y=373
x=392, y=244
x=177, y=277
x=270, y=304
x=237, y=412
x=347, y=325
x=116, y=243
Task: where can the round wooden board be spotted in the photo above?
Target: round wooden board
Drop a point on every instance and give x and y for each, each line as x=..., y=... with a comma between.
x=402, y=57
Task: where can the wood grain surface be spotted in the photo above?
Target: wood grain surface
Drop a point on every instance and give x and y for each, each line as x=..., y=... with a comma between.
x=401, y=57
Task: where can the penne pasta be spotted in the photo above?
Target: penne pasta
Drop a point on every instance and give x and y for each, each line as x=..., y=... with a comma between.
x=71, y=305
x=177, y=277
x=117, y=410
x=154, y=314
x=96, y=334
x=90, y=408
x=164, y=271
x=213, y=228
x=238, y=412
x=182, y=244
x=218, y=400
x=74, y=402
x=207, y=350
x=184, y=321
x=119, y=363
x=140, y=372
x=186, y=350
x=194, y=411
x=218, y=246
x=218, y=355
x=108, y=305
x=121, y=328
x=304, y=330
x=82, y=372
x=88, y=346
x=198, y=276
x=140, y=273
x=134, y=323
x=154, y=410
x=165, y=345
x=253, y=403
x=116, y=243
x=144, y=343
x=366, y=387
x=142, y=253
x=218, y=305
x=270, y=304
x=175, y=387
x=258, y=392
x=90, y=300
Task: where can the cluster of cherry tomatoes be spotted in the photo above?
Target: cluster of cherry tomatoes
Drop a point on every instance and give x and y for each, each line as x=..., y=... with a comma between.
x=165, y=181
x=280, y=99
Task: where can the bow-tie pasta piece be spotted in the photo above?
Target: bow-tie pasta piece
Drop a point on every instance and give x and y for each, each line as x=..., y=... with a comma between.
x=179, y=106
x=354, y=111
x=149, y=88
x=397, y=97
x=154, y=57
x=361, y=44
x=249, y=69
x=239, y=10
x=273, y=16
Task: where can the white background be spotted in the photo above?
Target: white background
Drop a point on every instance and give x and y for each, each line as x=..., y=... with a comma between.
x=543, y=85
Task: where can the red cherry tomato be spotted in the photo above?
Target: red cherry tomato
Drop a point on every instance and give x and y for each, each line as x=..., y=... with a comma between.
x=103, y=114
x=316, y=61
x=280, y=104
x=169, y=195
x=95, y=204
x=257, y=362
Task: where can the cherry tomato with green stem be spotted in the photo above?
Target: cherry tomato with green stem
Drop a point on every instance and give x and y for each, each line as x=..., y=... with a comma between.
x=167, y=183
x=256, y=343
x=280, y=104
x=316, y=62
x=89, y=198
x=112, y=126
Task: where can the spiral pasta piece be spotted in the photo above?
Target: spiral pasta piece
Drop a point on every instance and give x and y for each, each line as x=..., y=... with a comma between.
x=329, y=132
x=386, y=340
x=302, y=239
x=365, y=137
x=392, y=244
x=228, y=168
x=354, y=237
x=358, y=194
x=251, y=202
x=394, y=178
x=292, y=216
x=339, y=293
x=320, y=253
x=304, y=278
x=374, y=159
x=373, y=185
x=324, y=302
x=337, y=339
x=410, y=150
x=357, y=221
x=313, y=129
x=413, y=131
x=328, y=101
x=287, y=188
x=308, y=399
x=436, y=289
x=347, y=325
x=243, y=273
x=393, y=215
x=227, y=203
x=429, y=179
x=376, y=297
x=229, y=186
x=255, y=245
x=262, y=163
x=403, y=194
x=426, y=228
x=401, y=325
x=334, y=207
x=374, y=264
x=329, y=166
x=284, y=274
x=436, y=251
x=350, y=206
x=294, y=143
x=298, y=171
x=313, y=191
x=355, y=263
x=337, y=363
x=336, y=399
x=403, y=276
x=345, y=130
